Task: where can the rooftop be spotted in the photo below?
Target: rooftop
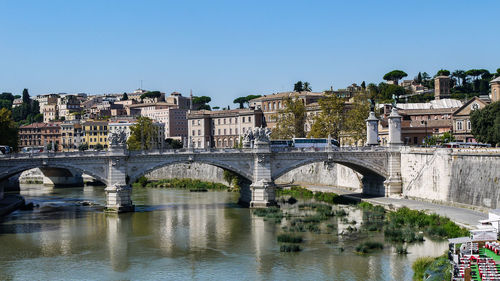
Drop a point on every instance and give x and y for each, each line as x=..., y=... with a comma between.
x=433, y=104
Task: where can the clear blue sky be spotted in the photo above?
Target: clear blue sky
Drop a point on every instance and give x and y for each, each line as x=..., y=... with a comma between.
x=226, y=49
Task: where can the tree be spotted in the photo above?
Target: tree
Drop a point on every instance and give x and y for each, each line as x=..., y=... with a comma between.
x=356, y=118
x=447, y=137
x=395, y=76
x=201, y=102
x=307, y=87
x=330, y=120
x=26, y=97
x=143, y=134
x=460, y=75
x=99, y=147
x=290, y=120
x=418, y=79
x=8, y=129
x=387, y=91
x=83, y=147
x=443, y=72
x=6, y=100
x=241, y=101
x=363, y=85
x=151, y=94
x=298, y=87
x=486, y=124
x=173, y=144
x=125, y=96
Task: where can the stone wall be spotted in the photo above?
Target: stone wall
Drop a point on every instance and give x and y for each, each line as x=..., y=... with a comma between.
x=467, y=176
x=312, y=174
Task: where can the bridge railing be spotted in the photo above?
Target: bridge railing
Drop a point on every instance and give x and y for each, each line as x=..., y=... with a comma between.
x=328, y=149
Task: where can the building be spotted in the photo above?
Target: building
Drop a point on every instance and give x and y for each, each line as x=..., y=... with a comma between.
x=30, y=135
x=420, y=120
x=441, y=87
x=177, y=99
x=125, y=124
x=271, y=104
x=68, y=107
x=462, y=128
x=495, y=89
x=43, y=100
x=50, y=113
x=95, y=133
x=17, y=102
x=222, y=128
x=71, y=135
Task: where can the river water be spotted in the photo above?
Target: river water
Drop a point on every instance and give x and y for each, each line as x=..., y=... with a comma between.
x=179, y=235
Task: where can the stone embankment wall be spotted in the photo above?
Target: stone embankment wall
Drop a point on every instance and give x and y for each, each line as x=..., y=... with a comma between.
x=467, y=176
x=312, y=174
x=51, y=177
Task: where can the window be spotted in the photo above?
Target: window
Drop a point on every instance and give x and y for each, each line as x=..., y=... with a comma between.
x=218, y=132
x=243, y=119
x=415, y=140
x=236, y=131
x=230, y=131
x=193, y=133
x=199, y=122
x=460, y=125
x=224, y=131
x=249, y=119
x=468, y=125
x=218, y=121
x=199, y=132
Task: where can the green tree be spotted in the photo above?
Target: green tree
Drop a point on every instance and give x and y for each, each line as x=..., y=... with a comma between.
x=8, y=129
x=356, y=116
x=201, y=102
x=307, y=87
x=151, y=94
x=83, y=147
x=125, y=96
x=173, y=144
x=26, y=97
x=395, y=76
x=241, y=101
x=99, y=147
x=443, y=72
x=447, y=137
x=298, y=87
x=330, y=120
x=143, y=134
x=460, y=75
x=486, y=124
x=363, y=85
x=290, y=120
x=418, y=79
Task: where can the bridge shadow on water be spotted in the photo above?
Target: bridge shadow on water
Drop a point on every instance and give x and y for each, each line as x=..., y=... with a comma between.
x=186, y=206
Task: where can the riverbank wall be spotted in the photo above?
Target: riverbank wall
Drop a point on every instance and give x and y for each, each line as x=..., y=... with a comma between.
x=463, y=176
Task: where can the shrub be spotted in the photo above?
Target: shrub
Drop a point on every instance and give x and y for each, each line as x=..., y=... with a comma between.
x=290, y=248
x=369, y=247
x=142, y=181
x=289, y=238
x=401, y=250
x=419, y=267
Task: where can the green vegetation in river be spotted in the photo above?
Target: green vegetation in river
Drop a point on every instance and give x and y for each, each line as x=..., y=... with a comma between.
x=191, y=184
x=428, y=268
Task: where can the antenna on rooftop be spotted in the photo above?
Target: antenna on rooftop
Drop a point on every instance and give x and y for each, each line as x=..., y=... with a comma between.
x=191, y=99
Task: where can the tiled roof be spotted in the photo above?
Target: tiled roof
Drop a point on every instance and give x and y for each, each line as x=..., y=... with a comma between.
x=286, y=94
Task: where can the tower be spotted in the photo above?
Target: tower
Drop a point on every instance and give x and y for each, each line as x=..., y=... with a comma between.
x=372, y=129
x=441, y=87
x=495, y=89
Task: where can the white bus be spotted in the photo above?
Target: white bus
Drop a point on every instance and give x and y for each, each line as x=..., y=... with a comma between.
x=317, y=143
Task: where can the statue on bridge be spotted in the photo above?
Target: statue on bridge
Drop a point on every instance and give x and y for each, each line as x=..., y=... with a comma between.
x=261, y=134
x=117, y=138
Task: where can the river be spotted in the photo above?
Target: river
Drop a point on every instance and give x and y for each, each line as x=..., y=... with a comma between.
x=179, y=235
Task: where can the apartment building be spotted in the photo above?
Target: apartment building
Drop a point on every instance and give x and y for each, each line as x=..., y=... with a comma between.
x=125, y=124
x=222, y=128
x=94, y=133
x=71, y=135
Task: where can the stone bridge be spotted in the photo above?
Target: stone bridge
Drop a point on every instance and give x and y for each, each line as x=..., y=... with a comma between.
x=259, y=163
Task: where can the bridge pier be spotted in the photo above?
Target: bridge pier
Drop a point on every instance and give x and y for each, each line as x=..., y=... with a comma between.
x=262, y=189
x=118, y=191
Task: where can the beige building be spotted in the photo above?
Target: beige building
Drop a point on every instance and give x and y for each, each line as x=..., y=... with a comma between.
x=68, y=107
x=495, y=89
x=50, y=113
x=462, y=128
x=71, y=135
x=222, y=128
x=271, y=104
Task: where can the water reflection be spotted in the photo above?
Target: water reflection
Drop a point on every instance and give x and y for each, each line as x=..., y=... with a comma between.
x=186, y=236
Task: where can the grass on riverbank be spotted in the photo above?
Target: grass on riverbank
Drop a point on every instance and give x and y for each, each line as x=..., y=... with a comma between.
x=403, y=221
x=436, y=268
x=191, y=184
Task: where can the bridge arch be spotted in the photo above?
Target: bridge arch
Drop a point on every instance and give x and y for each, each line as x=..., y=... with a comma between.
x=21, y=168
x=134, y=175
x=373, y=174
